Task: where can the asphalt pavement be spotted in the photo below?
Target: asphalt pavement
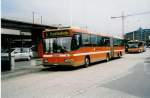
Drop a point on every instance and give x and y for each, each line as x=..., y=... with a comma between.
x=126, y=77
x=23, y=67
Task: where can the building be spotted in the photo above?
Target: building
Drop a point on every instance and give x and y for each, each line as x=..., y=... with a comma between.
x=20, y=33
x=16, y=33
x=140, y=34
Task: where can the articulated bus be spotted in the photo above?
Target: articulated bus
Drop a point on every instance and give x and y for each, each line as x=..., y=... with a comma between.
x=135, y=46
x=76, y=47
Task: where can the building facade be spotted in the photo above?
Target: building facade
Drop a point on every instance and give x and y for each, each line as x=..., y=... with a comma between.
x=16, y=33
x=140, y=34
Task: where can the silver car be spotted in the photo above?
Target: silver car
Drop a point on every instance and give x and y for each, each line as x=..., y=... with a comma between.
x=19, y=53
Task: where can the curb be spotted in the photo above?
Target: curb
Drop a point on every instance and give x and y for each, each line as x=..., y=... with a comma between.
x=19, y=72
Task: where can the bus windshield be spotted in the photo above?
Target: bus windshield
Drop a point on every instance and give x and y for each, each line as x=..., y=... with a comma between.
x=133, y=45
x=57, y=45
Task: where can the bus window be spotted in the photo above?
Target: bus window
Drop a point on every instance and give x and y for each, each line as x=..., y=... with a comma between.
x=99, y=41
x=76, y=41
x=94, y=41
x=105, y=41
x=85, y=39
x=118, y=42
x=115, y=42
x=47, y=47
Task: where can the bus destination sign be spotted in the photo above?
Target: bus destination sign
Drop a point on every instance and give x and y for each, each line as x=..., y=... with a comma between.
x=57, y=33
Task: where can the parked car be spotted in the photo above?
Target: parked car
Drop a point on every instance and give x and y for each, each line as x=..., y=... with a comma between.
x=34, y=51
x=18, y=53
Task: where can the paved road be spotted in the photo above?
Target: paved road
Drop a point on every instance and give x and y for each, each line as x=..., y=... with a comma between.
x=127, y=77
x=22, y=68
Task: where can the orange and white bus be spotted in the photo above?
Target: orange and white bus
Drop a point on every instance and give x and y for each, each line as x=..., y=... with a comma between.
x=76, y=47
x=135, y=46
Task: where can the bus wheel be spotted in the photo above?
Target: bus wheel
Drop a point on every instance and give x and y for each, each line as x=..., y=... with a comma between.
x=120, y=54
x=107, y=57
x=87, y=62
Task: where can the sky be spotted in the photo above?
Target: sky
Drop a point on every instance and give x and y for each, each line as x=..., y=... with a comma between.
x=91, y=14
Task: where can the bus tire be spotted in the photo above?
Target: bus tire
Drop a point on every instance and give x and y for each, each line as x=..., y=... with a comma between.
x=86, y=61
x=120, y=54
x=107, y=57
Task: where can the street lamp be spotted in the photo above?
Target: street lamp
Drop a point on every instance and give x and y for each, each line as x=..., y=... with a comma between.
x=122, y=17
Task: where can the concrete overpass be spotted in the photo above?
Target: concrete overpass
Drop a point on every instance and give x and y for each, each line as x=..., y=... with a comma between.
x=18, y=31
x=23, y=26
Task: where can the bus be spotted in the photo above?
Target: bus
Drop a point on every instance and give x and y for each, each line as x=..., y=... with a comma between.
x=135, y=46
x=76, y=47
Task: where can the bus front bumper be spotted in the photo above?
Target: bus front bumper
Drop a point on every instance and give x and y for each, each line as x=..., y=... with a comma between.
x=133, y=50
x=65, y=63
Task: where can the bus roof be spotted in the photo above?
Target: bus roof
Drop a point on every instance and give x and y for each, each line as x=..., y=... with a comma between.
x=75, y=29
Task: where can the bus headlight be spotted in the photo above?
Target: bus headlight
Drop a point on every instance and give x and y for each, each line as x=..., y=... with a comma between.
x=45, y=60
x=68, y=55
x=68, y=60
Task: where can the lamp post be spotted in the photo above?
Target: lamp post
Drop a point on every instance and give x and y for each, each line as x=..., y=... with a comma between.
x=122, y=18
x=33, y=17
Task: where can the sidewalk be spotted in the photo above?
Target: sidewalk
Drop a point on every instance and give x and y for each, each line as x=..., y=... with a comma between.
x=22, y=68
